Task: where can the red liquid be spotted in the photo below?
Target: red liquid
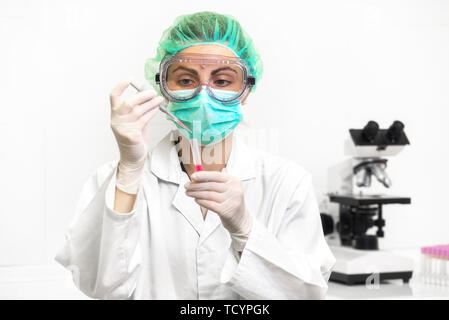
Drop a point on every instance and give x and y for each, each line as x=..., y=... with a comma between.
x=198, y=167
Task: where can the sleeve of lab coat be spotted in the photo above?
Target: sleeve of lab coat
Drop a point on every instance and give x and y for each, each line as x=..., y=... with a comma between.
x=290, y=261
x=101, y=245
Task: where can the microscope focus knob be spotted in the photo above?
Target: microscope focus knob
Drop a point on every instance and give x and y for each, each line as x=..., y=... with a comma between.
x=394, y=132
x=370, y=131
x=328, y=223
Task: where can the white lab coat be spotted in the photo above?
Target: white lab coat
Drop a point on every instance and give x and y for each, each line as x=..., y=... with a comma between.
x=164, y=249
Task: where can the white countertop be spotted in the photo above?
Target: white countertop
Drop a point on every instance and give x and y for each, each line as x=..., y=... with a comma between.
x=388, y=290
x=54, y=282
x=391, y=289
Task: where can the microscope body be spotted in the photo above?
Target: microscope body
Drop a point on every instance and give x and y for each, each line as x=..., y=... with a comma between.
x=342, y=179
x=360, y=186
x=365, y=171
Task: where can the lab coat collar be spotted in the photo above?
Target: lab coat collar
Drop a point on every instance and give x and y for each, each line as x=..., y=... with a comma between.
x=166, y=166
x=165, y=161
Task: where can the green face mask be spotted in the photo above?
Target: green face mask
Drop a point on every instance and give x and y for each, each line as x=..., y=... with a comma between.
x=210, y=120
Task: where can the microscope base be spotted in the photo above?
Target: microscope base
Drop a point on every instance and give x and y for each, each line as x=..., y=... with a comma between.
x=365, y=266
x=351, y=279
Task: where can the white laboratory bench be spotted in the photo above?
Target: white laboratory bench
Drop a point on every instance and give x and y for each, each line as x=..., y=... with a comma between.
x=54, y=282
x=390, y=289
x=47, y=282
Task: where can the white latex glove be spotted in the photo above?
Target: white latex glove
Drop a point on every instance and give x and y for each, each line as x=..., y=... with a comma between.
x=223, y=194
x=129, y=119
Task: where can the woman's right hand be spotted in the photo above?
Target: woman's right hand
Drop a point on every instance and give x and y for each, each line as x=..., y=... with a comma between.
x=129, y=119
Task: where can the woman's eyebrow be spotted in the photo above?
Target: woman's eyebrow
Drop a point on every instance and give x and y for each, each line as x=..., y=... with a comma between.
x=186, y=69
x=220, y=69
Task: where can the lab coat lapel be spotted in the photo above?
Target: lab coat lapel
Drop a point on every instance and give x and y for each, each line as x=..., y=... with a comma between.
x=188, y=207
x=165, y=165
x=241, y=164
x=211, y=223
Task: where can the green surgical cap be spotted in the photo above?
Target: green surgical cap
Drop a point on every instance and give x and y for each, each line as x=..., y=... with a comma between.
x=205, y=28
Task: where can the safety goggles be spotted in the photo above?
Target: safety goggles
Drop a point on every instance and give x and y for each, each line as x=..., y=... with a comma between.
x=183, y=76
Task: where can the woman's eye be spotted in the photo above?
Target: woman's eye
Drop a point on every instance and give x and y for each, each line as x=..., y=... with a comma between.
x=222, y=83
x=185, y=82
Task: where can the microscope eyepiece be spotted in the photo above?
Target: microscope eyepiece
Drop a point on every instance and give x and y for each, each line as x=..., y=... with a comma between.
x=394, y=132
x=370, y=131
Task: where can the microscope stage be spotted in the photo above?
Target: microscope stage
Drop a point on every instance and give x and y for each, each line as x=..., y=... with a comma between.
x=360, y=200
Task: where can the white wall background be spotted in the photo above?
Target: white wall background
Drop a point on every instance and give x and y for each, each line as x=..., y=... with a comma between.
x=329, y=66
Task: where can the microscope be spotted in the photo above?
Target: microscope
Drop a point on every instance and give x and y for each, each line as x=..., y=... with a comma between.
x=360, y=188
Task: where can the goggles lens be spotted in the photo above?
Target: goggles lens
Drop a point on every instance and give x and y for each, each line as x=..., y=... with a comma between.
x=182, y=77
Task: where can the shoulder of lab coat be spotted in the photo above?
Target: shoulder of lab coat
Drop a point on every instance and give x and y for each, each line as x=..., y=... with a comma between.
x=100, y=243
x=286, y=255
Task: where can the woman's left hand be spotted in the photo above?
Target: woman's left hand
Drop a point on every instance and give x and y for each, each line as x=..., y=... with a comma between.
x=223, y=194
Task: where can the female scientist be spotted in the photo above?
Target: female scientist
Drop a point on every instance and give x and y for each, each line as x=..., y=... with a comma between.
x=151, y=226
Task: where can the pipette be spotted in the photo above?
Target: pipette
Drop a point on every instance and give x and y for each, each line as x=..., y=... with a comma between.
x=164, y=110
